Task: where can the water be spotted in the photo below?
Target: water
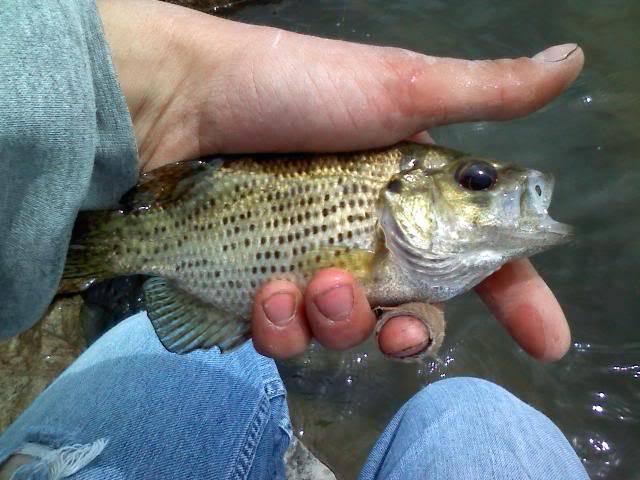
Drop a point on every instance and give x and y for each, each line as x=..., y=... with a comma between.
x=590, y=139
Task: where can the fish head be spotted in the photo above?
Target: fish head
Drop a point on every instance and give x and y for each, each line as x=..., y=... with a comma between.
x=454, y=219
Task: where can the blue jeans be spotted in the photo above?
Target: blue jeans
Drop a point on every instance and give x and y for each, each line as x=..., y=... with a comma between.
x=136, y=411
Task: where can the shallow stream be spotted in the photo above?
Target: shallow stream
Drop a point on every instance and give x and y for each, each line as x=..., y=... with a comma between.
x=590, y=140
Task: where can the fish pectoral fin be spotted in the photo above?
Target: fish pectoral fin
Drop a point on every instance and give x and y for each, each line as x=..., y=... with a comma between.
x=167, y=184
x=358, y=262
x=184, y=322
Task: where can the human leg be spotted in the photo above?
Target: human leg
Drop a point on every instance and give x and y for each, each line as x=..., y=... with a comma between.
x=200, y=415
x=463, y=428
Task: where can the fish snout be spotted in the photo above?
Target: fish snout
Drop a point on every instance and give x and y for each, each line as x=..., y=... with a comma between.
x=534, y=205
x=537, y=193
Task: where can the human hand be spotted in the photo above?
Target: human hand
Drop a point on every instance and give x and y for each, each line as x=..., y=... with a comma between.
x=198, y=85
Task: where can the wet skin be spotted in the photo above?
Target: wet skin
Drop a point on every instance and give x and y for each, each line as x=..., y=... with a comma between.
x=198, y=85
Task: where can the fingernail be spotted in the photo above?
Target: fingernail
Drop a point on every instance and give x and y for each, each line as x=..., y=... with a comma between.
x=336, y=303
x=398, y=334
x=280, y=308
x=411, y=351
x=557, y=53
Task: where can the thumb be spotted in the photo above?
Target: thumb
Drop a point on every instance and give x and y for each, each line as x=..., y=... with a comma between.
x=287, y=91
x=211, y=85
x=452, y=90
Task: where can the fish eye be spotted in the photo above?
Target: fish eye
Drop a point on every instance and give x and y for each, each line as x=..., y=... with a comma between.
x=476, y=175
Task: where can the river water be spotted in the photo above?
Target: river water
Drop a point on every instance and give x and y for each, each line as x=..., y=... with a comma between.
x=590, y=140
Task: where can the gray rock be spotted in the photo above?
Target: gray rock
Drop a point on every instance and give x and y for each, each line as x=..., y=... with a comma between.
x=301, y=464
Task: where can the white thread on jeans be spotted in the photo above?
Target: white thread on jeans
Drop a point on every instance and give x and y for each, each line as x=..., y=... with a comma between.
x=64, y=461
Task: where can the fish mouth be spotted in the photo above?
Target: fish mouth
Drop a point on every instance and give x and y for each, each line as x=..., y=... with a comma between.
x=544, y=232
x=563, y=231
x=535, y=224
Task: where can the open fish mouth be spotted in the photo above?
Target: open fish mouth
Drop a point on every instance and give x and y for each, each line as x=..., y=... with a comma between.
x=535, y=223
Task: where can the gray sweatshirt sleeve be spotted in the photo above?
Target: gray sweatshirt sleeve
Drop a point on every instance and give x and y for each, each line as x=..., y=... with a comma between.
x=66, y=143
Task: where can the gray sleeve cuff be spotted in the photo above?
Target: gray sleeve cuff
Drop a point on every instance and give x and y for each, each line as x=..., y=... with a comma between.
x=115, y=167
x=66, y=143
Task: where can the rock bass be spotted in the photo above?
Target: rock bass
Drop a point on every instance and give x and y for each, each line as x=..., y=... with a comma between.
x=411, y=222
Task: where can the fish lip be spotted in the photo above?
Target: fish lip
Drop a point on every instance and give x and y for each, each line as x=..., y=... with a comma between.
x=545, y=232
x=558, y=232
x=549, y=225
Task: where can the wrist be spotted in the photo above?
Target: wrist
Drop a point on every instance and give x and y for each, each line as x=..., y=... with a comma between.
x=182, y=73
x=150, y=57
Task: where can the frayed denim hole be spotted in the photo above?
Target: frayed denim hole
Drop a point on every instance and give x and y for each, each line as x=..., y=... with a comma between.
x=59, y=463
x=51, y=438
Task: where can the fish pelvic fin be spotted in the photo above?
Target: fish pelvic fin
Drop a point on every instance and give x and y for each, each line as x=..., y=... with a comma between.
x=184, y=322
x=88, y=257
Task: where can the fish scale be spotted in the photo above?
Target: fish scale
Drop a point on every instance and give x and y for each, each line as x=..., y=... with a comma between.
x=250, y=221
x=403, y=220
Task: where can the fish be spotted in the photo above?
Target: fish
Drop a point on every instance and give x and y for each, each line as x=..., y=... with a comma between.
x=412, y=222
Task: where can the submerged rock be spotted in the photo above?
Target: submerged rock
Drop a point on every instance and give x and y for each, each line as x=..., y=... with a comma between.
x=33, y=359
x=303, y=465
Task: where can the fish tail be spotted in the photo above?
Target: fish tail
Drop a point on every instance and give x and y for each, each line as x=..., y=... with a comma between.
x=88, y=260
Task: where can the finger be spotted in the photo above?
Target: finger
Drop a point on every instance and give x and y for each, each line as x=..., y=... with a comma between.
x=524, y=304
x=337, y=309
x=279, y=327
x=403, y=336
x=305, y=93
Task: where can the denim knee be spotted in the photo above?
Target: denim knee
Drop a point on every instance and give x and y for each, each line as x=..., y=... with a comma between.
x=161, y=415
x=471, y=428
x=474, y=408
x=468, y=394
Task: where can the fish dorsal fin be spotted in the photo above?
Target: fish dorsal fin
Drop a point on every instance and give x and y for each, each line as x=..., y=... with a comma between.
x=167, y=184
x=184, y=322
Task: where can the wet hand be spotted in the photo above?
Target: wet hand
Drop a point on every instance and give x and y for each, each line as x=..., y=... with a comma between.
x=198, y=85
